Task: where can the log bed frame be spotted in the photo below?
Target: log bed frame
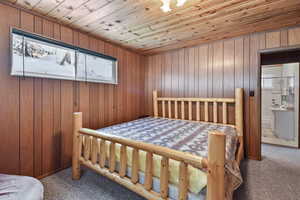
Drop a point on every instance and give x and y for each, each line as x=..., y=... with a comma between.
x=89, y=150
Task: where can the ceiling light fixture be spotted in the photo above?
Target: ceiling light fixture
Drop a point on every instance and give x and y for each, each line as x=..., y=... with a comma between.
x=166, y=5
x=180, y=3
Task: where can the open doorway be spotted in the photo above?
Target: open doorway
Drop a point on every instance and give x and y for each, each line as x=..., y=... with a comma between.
x=279, y=84
x=278, y=123
x=280, y=104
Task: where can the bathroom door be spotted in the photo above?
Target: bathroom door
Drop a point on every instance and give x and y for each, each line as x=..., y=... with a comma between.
x=280, y=104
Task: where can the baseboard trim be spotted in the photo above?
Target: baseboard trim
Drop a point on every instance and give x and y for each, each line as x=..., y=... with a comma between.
x=52, y=172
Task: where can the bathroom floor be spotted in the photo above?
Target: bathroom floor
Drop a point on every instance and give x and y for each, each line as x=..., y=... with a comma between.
x=268, y=137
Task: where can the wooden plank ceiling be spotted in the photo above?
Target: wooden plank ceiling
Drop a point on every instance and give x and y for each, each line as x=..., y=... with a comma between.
x=141, y=25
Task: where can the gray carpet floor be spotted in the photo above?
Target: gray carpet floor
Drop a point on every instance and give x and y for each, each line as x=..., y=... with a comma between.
x=276, y=177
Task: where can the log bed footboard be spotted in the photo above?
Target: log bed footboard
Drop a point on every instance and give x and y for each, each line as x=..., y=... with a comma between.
x=94, y=145
x=89, y=149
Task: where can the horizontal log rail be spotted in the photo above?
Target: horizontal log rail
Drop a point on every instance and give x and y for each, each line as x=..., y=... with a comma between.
x=124, y=181
x=188, y=99
x=195, y=161
x=188, y=104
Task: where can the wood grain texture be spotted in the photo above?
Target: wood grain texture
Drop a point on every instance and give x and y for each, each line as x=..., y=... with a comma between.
x=164, y=177
x=67, y=95
x=26, y=111
x=94, y=150
x=149, y=171
x=183, y=181
x=123, y=161
x=293, y=36
x=142, y=26
x=216, y=162
x=77, y=149
x=135, y=166
x=38, y=28
x=112, y=157
x=102, y=153
x=36, y=114
x=217, y=69
x=10, y=99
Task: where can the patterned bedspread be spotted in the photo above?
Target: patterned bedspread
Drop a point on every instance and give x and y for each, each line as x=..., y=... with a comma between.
x=181, y=135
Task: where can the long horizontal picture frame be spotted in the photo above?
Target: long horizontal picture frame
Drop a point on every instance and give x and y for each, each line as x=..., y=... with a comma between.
x=92, y=68
x=33, y=55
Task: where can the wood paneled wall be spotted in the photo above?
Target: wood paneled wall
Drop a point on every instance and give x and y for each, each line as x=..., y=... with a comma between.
x=214, y=70
x=36, y=114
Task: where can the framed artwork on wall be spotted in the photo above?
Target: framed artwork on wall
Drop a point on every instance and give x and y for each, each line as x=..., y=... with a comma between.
x=99, y=69
x=48, y=61
x=81, y=67
x=35, y=56
x=17, y=55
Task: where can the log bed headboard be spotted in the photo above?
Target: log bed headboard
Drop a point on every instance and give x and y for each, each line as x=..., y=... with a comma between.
x=174, y=103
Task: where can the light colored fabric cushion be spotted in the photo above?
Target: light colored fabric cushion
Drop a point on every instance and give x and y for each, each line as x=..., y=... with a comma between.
x=13, y=187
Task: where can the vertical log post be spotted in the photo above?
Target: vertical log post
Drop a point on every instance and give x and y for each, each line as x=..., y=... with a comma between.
x=164, y=177
x=102, y=153
x=94, y=150
x=87, y=147
x=169, y=109
x=112, y=157
x=77, y=125
x=163, y=109
x=190, y=110
x=176, y=110
x=239, y=110
x=135, y=166
x=216, y=166
x=123, y=161
x=155, y=104
x=239, y=121
x=206, y=111
x=224, y=113
x=198, y=110
x=183, y=181
x=149, y=171
x=215, y=104
x=182, y=110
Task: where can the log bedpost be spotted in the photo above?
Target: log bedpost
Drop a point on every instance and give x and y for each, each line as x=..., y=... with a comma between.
x=216, y=166
x=239, y=110
x=77, y=125
x=155, y=103
x=239, y=121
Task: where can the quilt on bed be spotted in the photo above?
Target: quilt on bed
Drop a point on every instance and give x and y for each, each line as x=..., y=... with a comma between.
x=182, y=135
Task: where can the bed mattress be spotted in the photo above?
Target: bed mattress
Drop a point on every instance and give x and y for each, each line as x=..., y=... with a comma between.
x=182, y=135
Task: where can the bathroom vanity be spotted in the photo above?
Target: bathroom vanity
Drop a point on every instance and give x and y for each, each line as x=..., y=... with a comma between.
x=284, y=123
